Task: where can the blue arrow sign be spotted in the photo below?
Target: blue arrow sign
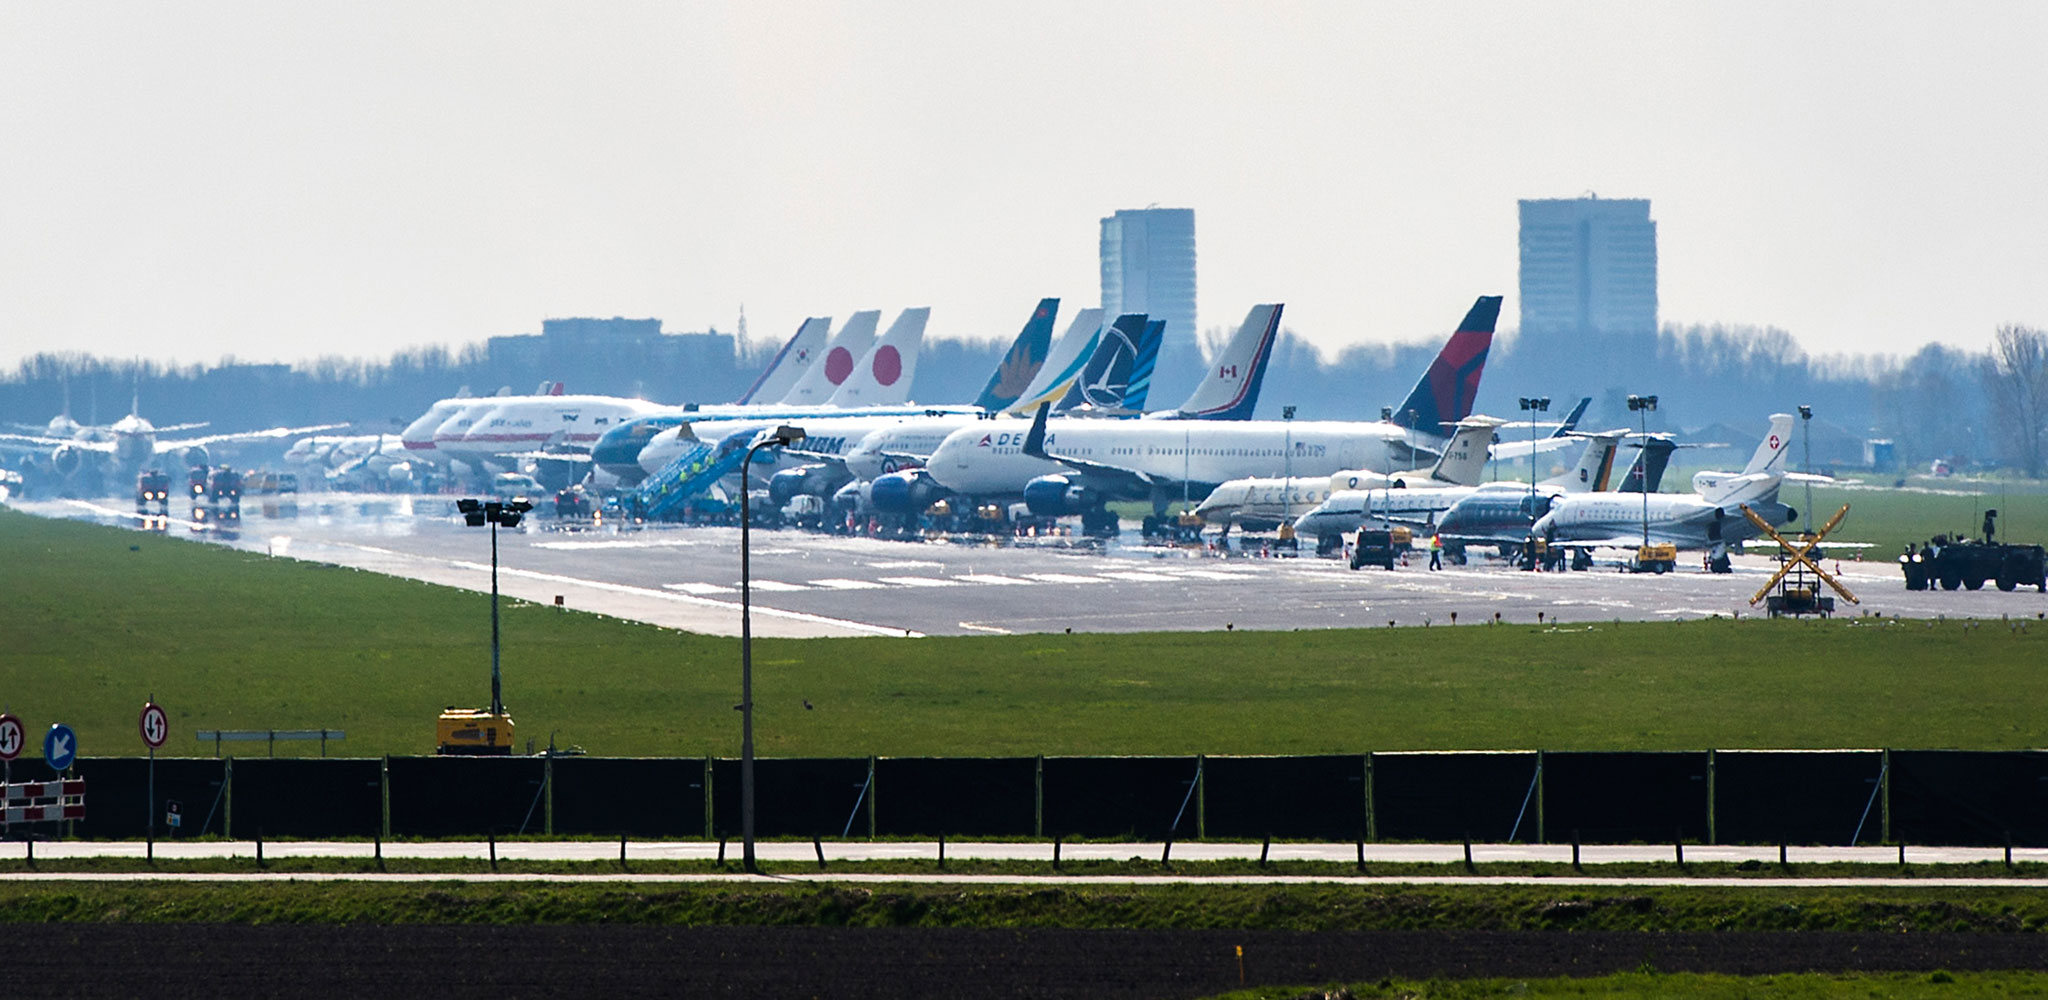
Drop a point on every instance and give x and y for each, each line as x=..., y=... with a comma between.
x=60, y=747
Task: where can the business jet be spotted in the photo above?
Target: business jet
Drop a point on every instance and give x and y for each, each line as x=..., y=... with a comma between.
x=1263, y=503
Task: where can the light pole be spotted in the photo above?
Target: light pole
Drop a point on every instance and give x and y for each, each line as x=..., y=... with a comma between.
x=783, y=435
x=1806, y=460
x=1533, y=404
x=1287, y=471
x=1642, y=405
x=477, y=513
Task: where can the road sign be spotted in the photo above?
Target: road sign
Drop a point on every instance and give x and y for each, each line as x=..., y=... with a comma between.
x=60, y=747
x=155, y=725
x=12, y=737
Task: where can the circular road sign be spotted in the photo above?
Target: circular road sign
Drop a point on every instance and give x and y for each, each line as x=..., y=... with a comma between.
x=155, y=725
x=60, y=747
x=12, y=737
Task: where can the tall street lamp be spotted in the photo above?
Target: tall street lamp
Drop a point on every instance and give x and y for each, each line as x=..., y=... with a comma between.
x=780, y=436
x=1642, y=405
x=1533, y=404
x=1806, y=460
x=1287, y=473
x=477, y=513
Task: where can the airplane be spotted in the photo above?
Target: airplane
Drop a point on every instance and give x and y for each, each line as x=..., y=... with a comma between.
x=1081, y=465
x=1228, y=392
x=132, y=441
x=1263, y=503
x=1502, y=517
x=1419, y=507
x=1708, y=518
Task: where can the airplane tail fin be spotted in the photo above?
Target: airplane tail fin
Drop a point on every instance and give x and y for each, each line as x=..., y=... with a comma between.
x=1105, y=383
x=1770, y=452
x=789, y=363
x=1069, y=354
x=1463, y=461
x=1647, y=472
x=1444, y=395
x=1025, y=358
x=1230, y=390
x=1571, y=420
x=1143, y=364
x=884, y=374
x=1596, y=465
x=846, y=348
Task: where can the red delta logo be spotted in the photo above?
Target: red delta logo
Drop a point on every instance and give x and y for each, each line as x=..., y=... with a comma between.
x=984, y=441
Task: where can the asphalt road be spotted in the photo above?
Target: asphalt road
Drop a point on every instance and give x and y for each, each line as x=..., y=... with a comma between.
x=820, y=585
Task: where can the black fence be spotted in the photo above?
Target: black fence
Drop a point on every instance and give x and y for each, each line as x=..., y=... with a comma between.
x=1929, y=797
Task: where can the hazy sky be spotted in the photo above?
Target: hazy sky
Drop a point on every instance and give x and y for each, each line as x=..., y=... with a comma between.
x=278, y=181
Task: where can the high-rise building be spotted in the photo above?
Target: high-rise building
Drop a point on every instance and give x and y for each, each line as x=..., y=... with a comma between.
x=1589, y=268
x=1148, y=266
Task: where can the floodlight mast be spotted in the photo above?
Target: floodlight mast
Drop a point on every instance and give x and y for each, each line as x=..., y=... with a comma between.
x=780, y=436
x=477, y=513
x=1533, y=404
x=1642, y=405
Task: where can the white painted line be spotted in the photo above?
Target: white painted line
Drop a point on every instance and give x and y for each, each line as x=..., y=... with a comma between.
x=701, y=589
x=1207, y=574
x=986, y=628
x=915, y=581
x=1062, y=578
x=907, y=564
x=777, y=586
x=637, y=543
x=990, y=578
x=1139, y=576
x=843, y=584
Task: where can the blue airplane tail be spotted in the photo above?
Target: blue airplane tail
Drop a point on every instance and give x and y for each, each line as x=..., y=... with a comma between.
x=1106, y=381
x=1021, y=364
x=1142, y=365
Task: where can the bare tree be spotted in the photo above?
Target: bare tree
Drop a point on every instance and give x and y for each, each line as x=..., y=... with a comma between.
x=2016, y=379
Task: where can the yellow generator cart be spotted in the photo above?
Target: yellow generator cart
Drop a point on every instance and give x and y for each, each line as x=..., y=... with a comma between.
x=473, y=731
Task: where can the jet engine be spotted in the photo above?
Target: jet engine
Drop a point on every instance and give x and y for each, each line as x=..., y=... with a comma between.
x=66, y=459
x=815, y=479
x=197, y=455
x=909, y=491
x=1058, y=495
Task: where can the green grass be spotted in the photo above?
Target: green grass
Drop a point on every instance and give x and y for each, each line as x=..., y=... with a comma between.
x=2019, y=909
x=97, y=619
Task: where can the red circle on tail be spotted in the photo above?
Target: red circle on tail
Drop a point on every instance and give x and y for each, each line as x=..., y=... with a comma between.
x=838, y=365
x=888, y=365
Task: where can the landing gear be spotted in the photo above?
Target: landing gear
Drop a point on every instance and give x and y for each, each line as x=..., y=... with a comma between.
x=1718, y=563
x=1099, y=524
x=1582, y=559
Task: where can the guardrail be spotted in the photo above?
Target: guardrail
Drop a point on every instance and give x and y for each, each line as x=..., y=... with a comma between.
x=271, y=736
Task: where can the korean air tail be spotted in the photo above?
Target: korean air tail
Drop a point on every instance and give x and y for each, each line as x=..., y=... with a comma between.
x=847, y=347
x=1105, y=383
x=1230, y=391
x=1021, y=365
x=790, y=363
x=1445, y=394
x=882, y=378
x=1070, y=354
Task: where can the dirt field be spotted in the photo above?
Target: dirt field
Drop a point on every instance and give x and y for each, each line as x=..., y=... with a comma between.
x=504, y=962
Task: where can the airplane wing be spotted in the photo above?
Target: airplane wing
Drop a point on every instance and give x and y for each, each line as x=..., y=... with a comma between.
x=537, y=456
x=1508, y=449
x=262, y=435
x=1113, y=477
x=836, y=461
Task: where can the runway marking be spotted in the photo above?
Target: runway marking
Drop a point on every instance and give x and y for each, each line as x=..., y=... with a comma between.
x=1207, y=574
x=986, y=628
x=1138, y=576
x=907, y=564
x=701, y=589
x=777, y=586
x=991, y=578
x=637, y=543
x=843, y=584
x=915, y=581
x=1062, y=578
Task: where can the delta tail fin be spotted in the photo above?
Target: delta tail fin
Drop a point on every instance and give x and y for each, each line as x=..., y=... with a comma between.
x=1026, y=356
x=1444, y=395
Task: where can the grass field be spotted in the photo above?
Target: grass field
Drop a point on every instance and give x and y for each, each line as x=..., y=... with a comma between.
x=97, y=619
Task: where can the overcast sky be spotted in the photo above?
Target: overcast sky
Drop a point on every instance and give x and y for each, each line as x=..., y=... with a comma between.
x=277, y=181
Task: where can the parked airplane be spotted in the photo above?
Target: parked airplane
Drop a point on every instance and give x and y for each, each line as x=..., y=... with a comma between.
x=1708, y=518
x=1161, y=462
x=1420, y=507
x=1502, y=517
x=1261, y=504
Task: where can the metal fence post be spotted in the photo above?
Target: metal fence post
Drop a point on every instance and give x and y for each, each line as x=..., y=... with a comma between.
x=710, y=824
x=871, y=798
x=384, y=793
x=1038, y=807
x=1201, y=798
x=1542, y=832
x=547, y=789
x=1884, y=781
x=1372, y=816
x=227, y=795
x=1712, y=796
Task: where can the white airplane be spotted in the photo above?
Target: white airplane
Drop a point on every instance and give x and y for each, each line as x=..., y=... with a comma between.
x=1260, y=504
x=132, y=441
x=1708, y=518
x=1080, y=465
x=1348, y=510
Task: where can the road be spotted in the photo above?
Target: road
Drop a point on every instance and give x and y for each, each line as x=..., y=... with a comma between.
x=821, y=585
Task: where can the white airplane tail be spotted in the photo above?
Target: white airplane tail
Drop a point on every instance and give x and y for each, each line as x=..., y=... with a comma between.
x=847, y=347
x=1230, y=390
x=883, y=376
x=1463, y=461
x=1596, y=464
x=1768, y=464
x=1069, y=357
x=797, y=356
